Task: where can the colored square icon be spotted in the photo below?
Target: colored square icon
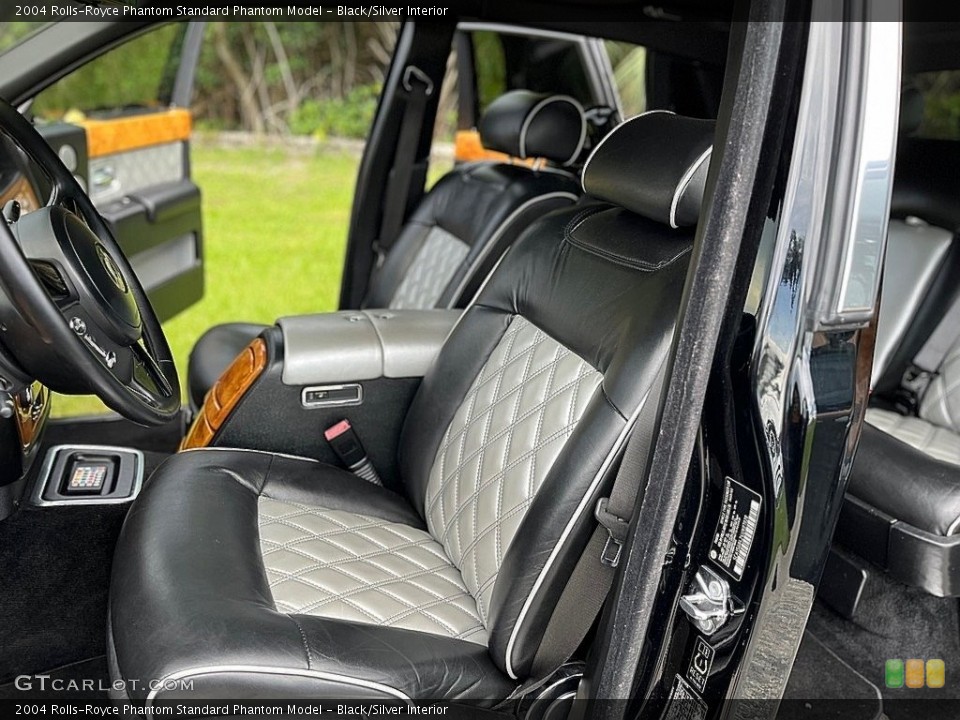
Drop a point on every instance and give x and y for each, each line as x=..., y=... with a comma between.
x=936, y=674
x=893, y=674
x=914, y=673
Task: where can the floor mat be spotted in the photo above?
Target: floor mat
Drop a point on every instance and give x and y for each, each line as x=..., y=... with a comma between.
x=824, y=686
x=896, y=622
x=55, y=570
x=83, y=680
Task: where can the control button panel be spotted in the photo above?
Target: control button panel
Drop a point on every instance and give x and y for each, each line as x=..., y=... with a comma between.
x=87, y=478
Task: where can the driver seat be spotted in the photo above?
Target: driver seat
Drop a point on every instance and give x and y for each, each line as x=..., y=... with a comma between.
x=257, y=574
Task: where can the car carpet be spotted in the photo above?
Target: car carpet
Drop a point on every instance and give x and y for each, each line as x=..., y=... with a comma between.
x=894, y=621
x=824, y=686
x=54, y=581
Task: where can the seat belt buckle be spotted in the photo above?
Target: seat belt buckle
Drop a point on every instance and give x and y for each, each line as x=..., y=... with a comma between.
x=907, y=397
x=616, y=528
x=346, y=445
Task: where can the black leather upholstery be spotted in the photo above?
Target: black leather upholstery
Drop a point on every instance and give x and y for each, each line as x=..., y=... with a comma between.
x=668, y=185
x=525, y=124
x=905, y=483
x=477, y=203
x=189, y=591
x=484, y=206
x=597, y=285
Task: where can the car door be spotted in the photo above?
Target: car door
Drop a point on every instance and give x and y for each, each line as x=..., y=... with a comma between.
x=122, y=123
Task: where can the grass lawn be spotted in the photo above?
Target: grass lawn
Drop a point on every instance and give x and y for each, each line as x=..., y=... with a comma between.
x=275, y=227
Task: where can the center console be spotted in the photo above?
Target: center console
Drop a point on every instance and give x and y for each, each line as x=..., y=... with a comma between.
x=307, y=374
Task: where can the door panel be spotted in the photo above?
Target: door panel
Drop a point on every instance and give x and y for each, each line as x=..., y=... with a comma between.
x=133, y=157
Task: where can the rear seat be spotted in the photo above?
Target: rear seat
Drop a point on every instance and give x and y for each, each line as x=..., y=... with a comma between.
x=902, y=509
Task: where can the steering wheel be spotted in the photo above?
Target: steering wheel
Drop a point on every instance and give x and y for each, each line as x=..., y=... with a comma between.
x=73, y=314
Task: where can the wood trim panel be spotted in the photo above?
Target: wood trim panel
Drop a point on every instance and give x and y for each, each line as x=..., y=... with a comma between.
x=468, y=148
x=22, y=191
x=225, y=394
x=131, y=132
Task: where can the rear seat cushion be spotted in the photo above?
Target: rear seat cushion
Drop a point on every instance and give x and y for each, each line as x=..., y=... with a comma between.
x=909, y=470
x=937, y=442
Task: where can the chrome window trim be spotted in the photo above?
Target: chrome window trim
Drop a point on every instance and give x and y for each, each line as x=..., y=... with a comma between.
x=861, y=182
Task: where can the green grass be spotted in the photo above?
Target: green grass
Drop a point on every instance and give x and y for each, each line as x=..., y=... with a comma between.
x=275, y=228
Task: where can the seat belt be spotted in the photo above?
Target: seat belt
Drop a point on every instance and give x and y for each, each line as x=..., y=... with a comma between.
x=419, y=88
x=926, y=363
x=589, y=585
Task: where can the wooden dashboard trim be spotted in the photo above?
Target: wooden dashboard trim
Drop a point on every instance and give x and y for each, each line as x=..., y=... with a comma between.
x=225, y=394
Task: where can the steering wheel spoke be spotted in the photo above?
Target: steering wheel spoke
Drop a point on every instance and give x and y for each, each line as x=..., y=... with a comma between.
x=148, y=373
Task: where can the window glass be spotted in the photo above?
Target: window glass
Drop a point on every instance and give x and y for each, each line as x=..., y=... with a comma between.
x=629, y=64
x=11, y=33
x=506, y=62
x=941, y=112
x=136, y=76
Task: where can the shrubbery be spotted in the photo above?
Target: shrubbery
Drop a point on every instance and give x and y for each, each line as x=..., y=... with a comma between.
x=349, y=117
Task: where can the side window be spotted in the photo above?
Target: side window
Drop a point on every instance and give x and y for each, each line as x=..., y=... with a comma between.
x=489, y=68
x=135, y=77
x=629, y=63
x=941, y=107
x=504, y=62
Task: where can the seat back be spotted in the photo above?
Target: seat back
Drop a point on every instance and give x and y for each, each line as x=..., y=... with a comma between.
x=474, y=212
x=921, y=273
x=516, y=431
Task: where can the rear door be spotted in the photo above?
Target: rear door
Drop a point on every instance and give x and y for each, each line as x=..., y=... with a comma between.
x=122, y=124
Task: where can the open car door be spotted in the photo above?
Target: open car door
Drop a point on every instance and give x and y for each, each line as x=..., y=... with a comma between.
x=129, y=145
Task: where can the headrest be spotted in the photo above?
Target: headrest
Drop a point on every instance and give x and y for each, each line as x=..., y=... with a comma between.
x=526, y=124
x=655, y=165
x=911, y=110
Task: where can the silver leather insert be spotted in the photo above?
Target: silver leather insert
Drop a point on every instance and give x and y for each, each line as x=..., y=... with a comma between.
x=342, y=565
x=915, y=252
x=941, y=401
x=362, y=345
x=504, y=438
x=937, y=442
x=119, y=174
x=439, y=257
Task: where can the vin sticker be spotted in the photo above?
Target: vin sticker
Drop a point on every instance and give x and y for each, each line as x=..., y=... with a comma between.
x=700, y=664
x=736, y=529
x=684, y=703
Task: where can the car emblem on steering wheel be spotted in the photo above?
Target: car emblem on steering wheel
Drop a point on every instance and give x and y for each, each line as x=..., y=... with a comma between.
x=111, y=267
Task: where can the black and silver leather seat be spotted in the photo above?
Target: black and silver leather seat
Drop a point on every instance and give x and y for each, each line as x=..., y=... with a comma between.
x=259, y=574
x=461, y=227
